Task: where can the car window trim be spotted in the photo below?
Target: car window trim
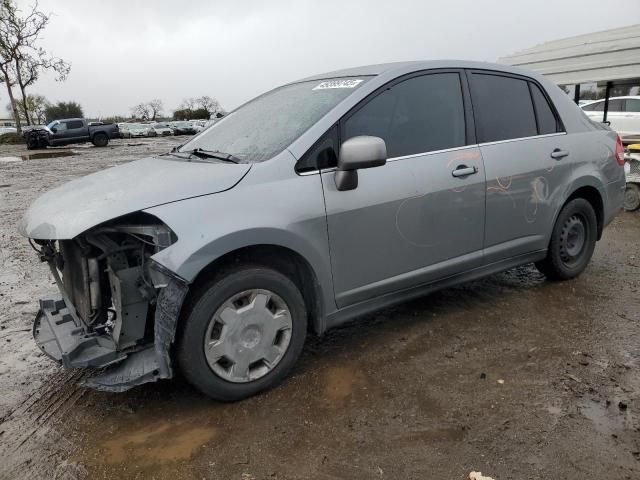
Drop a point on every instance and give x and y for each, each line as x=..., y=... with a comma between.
x=495, y=142
x=480, y=71
x=470, y=137
x=402, y=157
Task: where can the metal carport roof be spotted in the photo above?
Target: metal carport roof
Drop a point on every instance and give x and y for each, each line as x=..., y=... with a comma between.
x=607, y=56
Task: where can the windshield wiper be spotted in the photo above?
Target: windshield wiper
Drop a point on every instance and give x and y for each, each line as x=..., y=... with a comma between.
x=217, y=154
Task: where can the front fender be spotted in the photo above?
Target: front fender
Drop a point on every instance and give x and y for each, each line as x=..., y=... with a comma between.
x=286, y=212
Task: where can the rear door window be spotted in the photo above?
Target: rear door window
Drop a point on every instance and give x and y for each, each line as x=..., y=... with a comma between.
x=547, y=121
x=616, y=105
x=75, y=124
x=632, y=105
x=417, y=115
x=594, y=107
x=502, y=107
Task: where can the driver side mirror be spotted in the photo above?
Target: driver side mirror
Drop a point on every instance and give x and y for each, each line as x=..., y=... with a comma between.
x=54, y=129
x=356, y=153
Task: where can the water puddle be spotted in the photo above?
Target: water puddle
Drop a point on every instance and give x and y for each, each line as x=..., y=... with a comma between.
x=607, y=419
x=38, y=156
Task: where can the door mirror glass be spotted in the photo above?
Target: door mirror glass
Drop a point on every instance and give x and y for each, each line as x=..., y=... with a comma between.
x=358, y=152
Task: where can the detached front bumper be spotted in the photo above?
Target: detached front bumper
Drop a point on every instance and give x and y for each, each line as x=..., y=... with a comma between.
x=61, y=335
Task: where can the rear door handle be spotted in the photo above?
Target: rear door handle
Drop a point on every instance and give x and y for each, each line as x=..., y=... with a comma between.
x=463, y=171
x=558, y=154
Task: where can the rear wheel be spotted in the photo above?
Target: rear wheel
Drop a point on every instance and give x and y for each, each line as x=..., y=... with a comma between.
x=632, y=197
x=100, y=140
x=242, y=333
x=572, y=241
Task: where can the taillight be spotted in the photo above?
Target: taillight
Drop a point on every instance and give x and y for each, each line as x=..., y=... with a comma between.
x=619, y=151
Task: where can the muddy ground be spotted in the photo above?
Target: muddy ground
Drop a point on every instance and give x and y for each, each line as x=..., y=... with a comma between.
x=514, y=376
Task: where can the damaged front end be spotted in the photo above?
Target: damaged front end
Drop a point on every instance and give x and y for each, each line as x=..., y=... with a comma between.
x=117, y=309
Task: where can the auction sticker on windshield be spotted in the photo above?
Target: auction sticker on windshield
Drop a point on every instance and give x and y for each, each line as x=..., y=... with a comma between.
x=343, y=83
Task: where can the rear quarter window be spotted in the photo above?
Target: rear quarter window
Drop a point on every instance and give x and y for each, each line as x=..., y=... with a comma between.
x=547, y=121
x=502, y=107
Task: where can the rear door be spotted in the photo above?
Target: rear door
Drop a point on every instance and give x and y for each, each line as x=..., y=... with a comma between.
x=615, y=113
x=630, y=118
x=526, y=157
x=410, y=221
x=76, y=130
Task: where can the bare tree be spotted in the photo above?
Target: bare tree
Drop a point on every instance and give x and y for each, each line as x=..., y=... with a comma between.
x=141, y=111
x=211, y=105
x=21, y=59
x=156, y=107
x=6, y=73
x=37, y=106
x=188, y=104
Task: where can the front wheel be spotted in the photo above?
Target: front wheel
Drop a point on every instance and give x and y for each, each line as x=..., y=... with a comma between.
x=100, y=140
x=242, y=333
x=632, y=197
x=572, y=241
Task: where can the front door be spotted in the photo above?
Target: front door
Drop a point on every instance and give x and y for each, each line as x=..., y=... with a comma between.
x=415, y=219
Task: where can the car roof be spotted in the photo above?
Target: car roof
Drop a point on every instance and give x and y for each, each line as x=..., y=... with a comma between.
x=402, y=68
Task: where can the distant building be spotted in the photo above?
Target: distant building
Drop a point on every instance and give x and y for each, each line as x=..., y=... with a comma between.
x=607, y=63
x=7, y=122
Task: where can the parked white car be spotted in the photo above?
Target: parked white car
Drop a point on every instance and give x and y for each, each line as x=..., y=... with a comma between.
x=4, y=130
x=198, y=125
x=140, y=130
x=624, y=115
x=161, y=129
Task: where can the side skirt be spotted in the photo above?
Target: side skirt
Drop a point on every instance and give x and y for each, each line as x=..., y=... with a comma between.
x=362, y=308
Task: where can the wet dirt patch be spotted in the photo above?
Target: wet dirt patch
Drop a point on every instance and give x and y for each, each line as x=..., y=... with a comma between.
x=410, y=392
x=161, y=442
x=342, y=383
x=435, y=435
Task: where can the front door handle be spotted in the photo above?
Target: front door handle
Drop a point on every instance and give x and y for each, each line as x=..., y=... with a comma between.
x=463, y=171
x=558, y=154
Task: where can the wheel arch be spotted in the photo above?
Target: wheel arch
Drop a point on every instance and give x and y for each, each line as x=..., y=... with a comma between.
x=594, y=197
x=280, y=258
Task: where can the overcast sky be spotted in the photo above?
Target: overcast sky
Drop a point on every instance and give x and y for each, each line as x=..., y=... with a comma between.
x=124, y=51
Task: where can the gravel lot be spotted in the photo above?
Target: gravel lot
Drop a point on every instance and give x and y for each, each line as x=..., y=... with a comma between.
x=513, y=376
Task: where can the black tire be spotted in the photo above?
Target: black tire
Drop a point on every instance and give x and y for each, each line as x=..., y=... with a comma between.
x=100, y=140
x=567, y=257
x=199, y=311
x=632, y=197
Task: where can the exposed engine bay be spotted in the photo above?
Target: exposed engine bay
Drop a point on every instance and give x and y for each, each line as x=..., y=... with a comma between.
x=118, y=309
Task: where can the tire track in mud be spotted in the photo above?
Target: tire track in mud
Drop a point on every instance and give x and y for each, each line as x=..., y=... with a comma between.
x=30, y=444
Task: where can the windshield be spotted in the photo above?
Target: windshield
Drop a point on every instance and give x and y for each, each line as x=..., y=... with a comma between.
x=53, y=124
x=268, y=124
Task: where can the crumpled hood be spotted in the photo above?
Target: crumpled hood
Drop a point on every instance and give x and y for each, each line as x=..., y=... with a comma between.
x=66, y=211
